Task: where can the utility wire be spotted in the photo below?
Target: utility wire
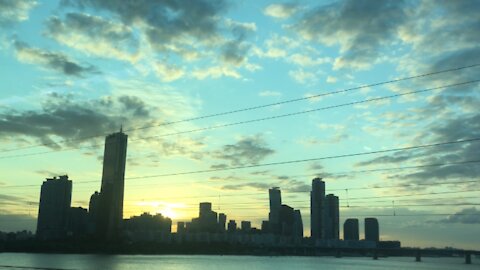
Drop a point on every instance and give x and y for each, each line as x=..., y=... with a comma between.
x=310, y=159
x=259, y=106
x=467, y=162
x=257, y=119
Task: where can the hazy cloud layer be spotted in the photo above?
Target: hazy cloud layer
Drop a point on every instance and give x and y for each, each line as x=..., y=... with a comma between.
x=12, y=11
x=51, y=60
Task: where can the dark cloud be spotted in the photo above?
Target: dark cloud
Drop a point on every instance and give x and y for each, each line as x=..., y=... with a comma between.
x=235, y=50
x=456, y=128
x=165, y=22
x=465, y=216
x=12, y=11
x=134, y=105
x=252, y=185
x=248, y=150
x=62, y=117
x=51, y=60
x=395, y=158
x=360, y=27
x=94, y=35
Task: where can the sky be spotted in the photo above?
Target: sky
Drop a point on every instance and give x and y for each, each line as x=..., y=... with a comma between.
x=212, y=92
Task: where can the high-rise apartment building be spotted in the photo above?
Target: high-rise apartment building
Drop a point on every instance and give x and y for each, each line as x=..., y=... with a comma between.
x=350, y=230
x=317, y=201
x=372, y=231
x=332, y=217
x=54, y=208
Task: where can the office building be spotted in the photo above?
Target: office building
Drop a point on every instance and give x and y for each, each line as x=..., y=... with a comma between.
x=110, y=205
x=372, y=231
x=275, y=206
x=54, y=207
x=332, y=217
x=317, y=198
x=350, y=230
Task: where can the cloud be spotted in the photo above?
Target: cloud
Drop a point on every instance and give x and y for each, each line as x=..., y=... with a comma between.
x=248, y=150
x=281, y=11
x=465, y=216
x=94, y=35
x=307, y=61
x=268, y=93
x=51, y=60
x=360, y=27
x=450, y=129
x=251, y=185
x=302, y=76
x=12, y=11
x=216, y=72
x=331, y=79
x=60, y=117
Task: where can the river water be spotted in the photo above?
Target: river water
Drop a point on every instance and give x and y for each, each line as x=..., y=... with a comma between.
x=197, y=262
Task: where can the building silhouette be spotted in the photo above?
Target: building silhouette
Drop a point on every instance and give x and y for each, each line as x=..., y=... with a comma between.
x=78, y=223
x=350, y=230
x=317, y=204
x=109, y=207
x=275, y=198
x=54, y=208
x=332, y=217
x=372, y=231
x=222, y=221
x=297, y=224
x=246, y=226
x=232, y=226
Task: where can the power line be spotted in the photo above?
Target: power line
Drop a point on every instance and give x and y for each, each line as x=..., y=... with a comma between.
x=310, y=159
x=259, y=106
x=467, y=162
x=257, y=119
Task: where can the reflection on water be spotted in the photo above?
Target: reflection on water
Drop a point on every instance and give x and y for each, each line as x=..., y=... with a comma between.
x=181, y=262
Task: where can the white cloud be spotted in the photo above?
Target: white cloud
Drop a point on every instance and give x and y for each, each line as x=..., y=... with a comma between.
x=331, y=79
x=281, y=11
x=301, y=75
x=216, y=72
x=268, y=93
x=168, y=73
x=305, y=60
x=15, y=10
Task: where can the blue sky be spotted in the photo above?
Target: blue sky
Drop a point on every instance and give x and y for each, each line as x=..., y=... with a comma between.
x=74, y=71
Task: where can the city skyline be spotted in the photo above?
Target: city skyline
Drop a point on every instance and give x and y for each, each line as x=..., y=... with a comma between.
x=223, y=100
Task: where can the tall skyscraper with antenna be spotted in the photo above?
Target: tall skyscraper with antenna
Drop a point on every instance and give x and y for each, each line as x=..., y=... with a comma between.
x=110, y=204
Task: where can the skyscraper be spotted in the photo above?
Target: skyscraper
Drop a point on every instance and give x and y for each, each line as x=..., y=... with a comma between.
x=332, y=217
x=317, y=198
x=54, y=207
x=275, y=205
x=372, y=232
x=350, y=229
x=110, y=206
